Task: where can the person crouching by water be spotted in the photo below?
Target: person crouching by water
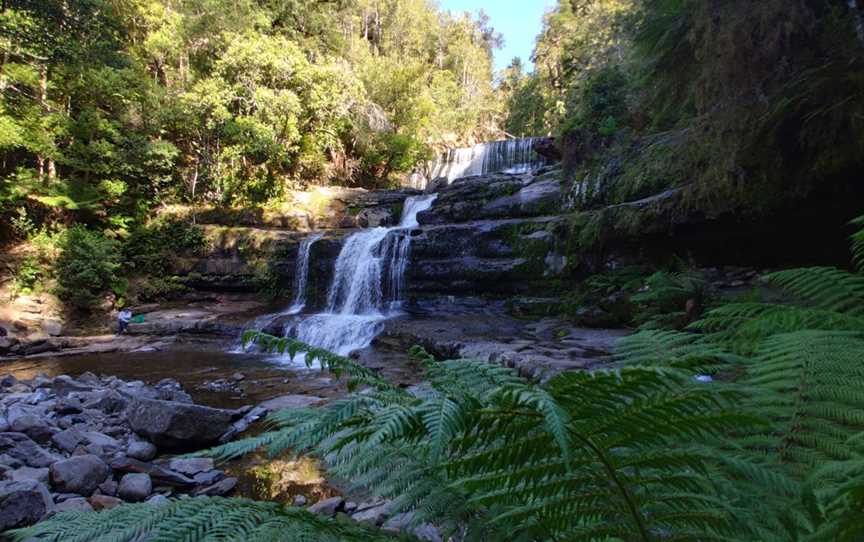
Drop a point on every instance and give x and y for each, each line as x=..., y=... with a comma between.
x=123, y=319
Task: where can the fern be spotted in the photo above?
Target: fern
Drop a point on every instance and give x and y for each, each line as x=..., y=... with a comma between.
x=838, y=495
x=824, y=288
x=772, y=450
x=586, y=457
x=858, y=243
x=741, y=327
x=811, y=384
x=208, y=519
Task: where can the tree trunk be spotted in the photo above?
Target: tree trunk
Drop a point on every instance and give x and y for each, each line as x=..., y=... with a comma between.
x=45, y=164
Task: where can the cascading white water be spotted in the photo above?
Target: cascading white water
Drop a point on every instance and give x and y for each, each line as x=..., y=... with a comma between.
x=368, y=285
x=301, y=276
x=301, y=273
x=511, y=156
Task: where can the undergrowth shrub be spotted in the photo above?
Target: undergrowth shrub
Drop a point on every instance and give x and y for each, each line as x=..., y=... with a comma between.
x=151, y=248
x=150, y=252
x=87, y=267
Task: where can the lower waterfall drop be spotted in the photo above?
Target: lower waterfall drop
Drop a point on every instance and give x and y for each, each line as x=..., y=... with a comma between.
x=368, y=285
x=301, y=278
x=301, y=273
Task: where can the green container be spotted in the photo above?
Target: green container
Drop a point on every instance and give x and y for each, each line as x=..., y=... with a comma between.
x=138, y=319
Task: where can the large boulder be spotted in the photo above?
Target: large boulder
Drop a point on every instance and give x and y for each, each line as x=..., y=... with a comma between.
x=80, y=474
x=23, y=503
x=173, y=425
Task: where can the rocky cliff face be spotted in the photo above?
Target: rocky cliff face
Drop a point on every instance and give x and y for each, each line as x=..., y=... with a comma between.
x=489, y=234
x=485, y=234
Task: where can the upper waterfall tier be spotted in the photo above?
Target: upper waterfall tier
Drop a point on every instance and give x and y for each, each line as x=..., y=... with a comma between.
x=511, y=155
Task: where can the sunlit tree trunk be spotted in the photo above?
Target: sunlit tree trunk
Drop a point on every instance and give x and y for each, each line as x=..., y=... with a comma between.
x=44, y=164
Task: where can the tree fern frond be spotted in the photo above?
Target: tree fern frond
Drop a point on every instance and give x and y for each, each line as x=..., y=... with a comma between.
x=197, y=519
x=824, y=288
x=740, y=327
x=858, y=243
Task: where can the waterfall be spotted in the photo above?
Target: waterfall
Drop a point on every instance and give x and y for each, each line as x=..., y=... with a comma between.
x=301, y=272
x=301, y=276
x=510, y=156
x=368, y=285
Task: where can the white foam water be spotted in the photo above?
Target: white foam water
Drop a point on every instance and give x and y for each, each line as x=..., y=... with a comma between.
x=301, y=279
x=301, y=273
x=508, y=156
x=368, y=286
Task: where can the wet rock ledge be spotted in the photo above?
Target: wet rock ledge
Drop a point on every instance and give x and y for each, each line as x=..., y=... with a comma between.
x=93, y=443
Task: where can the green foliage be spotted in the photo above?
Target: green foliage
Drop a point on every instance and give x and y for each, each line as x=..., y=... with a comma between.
x=797, y=361
x=588, y=456
x=671, y=299
x=576, y=76
x=110, y=108
x=28, y=276
x=605, y=299
x=151, y=247
x=387, y=153
x=194, y=519
x=87, y=267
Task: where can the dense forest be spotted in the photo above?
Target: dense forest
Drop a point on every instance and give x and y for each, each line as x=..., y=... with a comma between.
x=685, y=264
x=126, y=104
x=750, y=102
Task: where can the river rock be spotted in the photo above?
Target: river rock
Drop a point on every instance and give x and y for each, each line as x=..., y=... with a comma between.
x=141, y=449
x=285, y=402
x=53, y=328
x=80, y=474
x=208, y=478
x=104, y=502
x=76, y=504
x=22, y=448
x=28, y=473
x=63, y=385
x=374, y=512
x=135, y=487
x=68, y=439
x=23, y=503
x=328, y=507
x=375, y=217
x=108, y=401
x=219, y=489
x=68, y=405
x=174, y=425
x=156, y=472
x=101, y=439
x=109, y=487
x=191, y=466
x=31, y=422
